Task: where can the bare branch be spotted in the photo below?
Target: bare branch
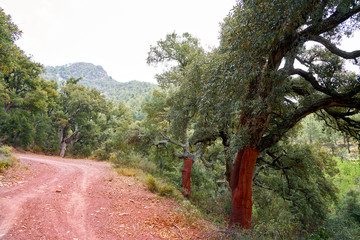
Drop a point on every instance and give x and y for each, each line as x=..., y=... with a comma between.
x=314, y=83
x=163, y=142
x=172, y=141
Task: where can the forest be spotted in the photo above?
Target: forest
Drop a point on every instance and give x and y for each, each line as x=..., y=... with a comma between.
x=260, y=135
x=134, y=93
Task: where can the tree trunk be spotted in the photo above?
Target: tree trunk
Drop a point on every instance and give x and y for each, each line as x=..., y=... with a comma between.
x=73, y=141
x=241, y=187
x=63, y=149
x=186, y=177
x=229, y=168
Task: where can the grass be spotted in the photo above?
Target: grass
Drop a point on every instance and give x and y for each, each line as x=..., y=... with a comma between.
x=129, y=172
x=161, y=188
x=153, y=184
x=134, y=165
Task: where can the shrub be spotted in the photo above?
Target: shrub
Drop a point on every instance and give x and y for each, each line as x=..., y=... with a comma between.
x=4, y=149
x=161, y=188
x=129, y=172
x=166, y=190
x=101, y=154
x=352, y=205
x=37, y=149
x=6, y=158
x=151, y=183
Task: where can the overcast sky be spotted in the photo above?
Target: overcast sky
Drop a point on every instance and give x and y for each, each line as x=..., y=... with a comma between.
x=115, y=34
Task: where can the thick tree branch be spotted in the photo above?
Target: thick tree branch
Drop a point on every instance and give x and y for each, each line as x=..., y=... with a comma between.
x=314, y=83
x=71, y=137
x=185, y=147
x=258, y=184
x=172, y=141
x=324, y=103
x=329, y=23
x=342, y=121
x=348, y=113
x=331, y=92
x=300, y=91
x=334, y=49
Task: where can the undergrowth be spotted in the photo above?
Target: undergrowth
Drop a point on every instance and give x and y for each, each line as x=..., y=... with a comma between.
x=134, y=165
x=272, y=215
x=6, y=158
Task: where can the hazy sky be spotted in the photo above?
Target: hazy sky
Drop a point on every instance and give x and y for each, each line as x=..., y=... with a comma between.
x=115, y=34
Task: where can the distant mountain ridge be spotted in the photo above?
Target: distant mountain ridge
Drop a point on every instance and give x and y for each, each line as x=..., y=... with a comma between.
x=133, y=93
x=87, y=71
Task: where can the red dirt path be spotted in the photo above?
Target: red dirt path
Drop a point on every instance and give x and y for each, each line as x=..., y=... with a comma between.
x=58, y=198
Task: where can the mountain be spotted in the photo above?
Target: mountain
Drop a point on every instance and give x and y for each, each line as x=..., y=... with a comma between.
x=133, y=93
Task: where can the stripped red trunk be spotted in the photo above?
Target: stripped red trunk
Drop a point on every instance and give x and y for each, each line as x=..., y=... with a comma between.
x=186, y=177
x=241, y=187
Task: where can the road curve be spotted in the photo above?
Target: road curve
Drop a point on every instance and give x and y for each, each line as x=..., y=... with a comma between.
x=54, y=204
x=59, y=198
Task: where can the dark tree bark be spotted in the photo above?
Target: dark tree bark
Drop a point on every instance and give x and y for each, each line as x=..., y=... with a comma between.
x=186, y=177
x=241, y=186
x=189, y=159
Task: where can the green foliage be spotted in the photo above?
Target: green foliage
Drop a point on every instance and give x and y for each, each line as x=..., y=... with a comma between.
x=37, y=149
x=23, y=88
x=216, y=102
x=160, y=187
x=352, y=204
x=349, y=175
x=46, y=133
x=150, y=183
x=343, y=222
x=4, y=149
x=132, y=160
x=18, y=128
x=101, y=154
x=295, y=183
x=24, y=97
x=134, y=93
x=6, y=157
x=78, y=112
x=9, y=33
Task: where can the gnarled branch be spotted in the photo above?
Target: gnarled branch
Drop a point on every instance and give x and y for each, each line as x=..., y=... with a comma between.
x=300, y=113
x=334, y=49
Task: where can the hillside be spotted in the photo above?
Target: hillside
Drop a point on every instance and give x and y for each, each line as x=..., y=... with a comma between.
x=133, y=93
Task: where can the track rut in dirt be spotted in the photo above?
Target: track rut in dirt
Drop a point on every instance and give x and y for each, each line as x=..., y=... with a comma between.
x=58, y=198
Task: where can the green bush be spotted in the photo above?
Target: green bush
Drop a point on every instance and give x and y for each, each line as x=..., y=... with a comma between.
x=37, y=149
x=4, y=149
x=352, y=205
x=101, y=154
x=6, y=158
x=151, y=183
x=132, y=160
x=167, y=190
x=161, y=188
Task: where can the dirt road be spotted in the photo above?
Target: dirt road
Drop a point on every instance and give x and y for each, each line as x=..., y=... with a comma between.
x=57, y=198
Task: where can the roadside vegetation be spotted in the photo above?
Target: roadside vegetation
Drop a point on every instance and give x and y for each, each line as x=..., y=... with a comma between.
x=6, y=158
